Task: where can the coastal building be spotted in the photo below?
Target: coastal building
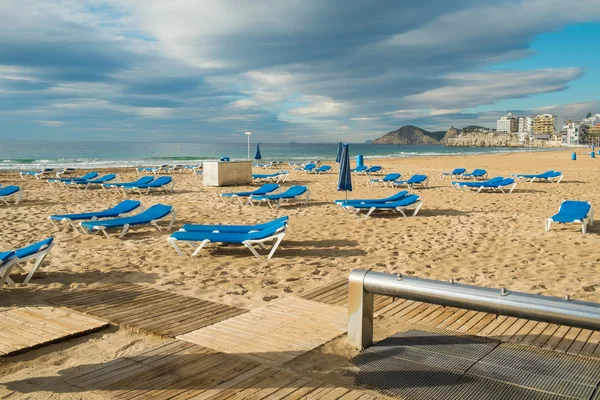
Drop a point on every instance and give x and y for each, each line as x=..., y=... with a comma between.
x=591, y=121
x=507, y=124
x=525, y=128
x=573, y=132
x=594, y=130
x=544, y=126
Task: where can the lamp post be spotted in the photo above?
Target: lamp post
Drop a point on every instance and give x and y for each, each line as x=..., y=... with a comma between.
x=248, y=134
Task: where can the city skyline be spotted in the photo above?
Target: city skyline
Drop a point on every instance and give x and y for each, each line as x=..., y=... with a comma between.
x=288, y=71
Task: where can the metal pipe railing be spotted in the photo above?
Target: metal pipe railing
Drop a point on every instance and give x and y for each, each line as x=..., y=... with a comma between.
x=364, y=284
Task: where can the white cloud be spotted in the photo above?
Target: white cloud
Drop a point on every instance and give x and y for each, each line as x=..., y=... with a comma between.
x=53, y=124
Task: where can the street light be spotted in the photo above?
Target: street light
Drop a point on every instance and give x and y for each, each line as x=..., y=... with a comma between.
x=248, y=133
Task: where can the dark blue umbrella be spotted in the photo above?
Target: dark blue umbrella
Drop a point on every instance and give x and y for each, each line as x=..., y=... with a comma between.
x=338, y=156
x=257, y=155
x=345, y=178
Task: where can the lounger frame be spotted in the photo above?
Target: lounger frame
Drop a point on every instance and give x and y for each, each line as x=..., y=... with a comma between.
x=277, y=237
x=126, y=227
x=15, y=262
x=275, y=204
x=357, y=211
x=588, y=220
x=18, y=194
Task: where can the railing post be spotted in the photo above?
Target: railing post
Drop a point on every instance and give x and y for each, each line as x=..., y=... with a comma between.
x=360, y=311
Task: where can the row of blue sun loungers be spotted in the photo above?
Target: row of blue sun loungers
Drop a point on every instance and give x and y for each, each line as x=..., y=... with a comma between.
x=264, y=194
x=399, y=202
x=279, y=176
x=166, y=169
x=45, y=172
x=497, y=184
x=363, y=169
x=393, y=180
x=548, y=176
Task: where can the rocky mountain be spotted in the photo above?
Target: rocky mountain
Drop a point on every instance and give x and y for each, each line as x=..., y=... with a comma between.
x=409, y=134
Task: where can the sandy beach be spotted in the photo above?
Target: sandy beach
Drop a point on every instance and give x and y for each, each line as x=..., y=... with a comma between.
x=487, y=239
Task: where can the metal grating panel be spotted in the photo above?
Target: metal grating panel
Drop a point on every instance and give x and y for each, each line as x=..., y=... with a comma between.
x=544, y=370
x=435, y=364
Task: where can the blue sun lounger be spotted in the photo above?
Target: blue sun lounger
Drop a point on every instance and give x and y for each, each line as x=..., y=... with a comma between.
x=496, y=186
x=398, y=196
x=454, y=173
x=374, y=169
x=476, y=174
x=275, y=200
x=274, y=233
x=322, y=169
x=573, y=211
x=12, y=259
x=90, y=182
x=119, y=210
x=359, y=169
x=151, y=216
x=413, y=181
x=144, y=180
x=162, y=182
x=9, y=191
x=408, y=202
x=264, y=189
x=388, y=179
x=153, y=170
x=234, y=228
x=39, y=174
x=279, y=176
x=460, y=185
x=308, y=168
x=548, y=176
x=88, y=176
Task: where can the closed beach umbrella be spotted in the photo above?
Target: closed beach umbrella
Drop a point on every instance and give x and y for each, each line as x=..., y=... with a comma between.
x=257, y=155
x=345, y=178
x=338, y=156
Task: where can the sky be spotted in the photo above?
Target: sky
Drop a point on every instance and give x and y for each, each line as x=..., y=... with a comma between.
x=294, y=70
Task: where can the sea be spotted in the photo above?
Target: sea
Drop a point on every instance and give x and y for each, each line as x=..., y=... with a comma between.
x=30, y=155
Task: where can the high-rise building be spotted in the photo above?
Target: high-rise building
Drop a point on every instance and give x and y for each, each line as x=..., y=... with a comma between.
x=525, y=128
x=543, y=126
x=507, y=124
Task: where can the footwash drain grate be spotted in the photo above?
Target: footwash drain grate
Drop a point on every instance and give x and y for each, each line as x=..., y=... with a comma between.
x=441, y=365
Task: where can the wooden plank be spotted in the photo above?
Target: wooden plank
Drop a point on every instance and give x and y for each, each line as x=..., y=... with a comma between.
x=147, y=310
x=465, y=318
x=580, y=341
x=556, y=337
x=511, y=330
x=452, y=318
x=522, y=333
x=26, y=328
x=591, y=344
x=567, y=340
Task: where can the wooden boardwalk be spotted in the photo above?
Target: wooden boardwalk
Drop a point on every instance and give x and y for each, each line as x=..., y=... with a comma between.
x=147, y=310
x=25, y=328
x=560, y=338
x=276, y=333
x=182, y=370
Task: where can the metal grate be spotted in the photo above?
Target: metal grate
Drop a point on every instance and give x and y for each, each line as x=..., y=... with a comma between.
x=544, y=370
x=436, y=364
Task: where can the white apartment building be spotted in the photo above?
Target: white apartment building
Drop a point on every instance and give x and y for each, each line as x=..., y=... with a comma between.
x=525, y=128
x=507, y=124
x=573, y=132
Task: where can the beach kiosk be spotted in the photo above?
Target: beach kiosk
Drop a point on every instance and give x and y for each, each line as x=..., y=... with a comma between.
x=227, y=173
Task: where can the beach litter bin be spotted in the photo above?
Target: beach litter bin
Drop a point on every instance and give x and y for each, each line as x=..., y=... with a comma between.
x=360, y=160
x=225, y=159
x=573, y=156
x=593, y=154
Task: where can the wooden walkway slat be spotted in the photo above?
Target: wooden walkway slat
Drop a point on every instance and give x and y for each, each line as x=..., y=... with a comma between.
x=275, y=333
x=147, y=310
x=182, y=370
x=25, y=328
x=507, y=329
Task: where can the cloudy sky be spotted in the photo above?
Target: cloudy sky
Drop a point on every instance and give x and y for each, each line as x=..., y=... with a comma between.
x=303, y=70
